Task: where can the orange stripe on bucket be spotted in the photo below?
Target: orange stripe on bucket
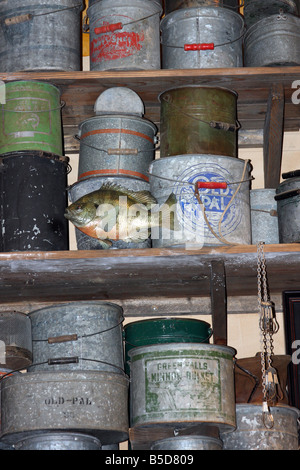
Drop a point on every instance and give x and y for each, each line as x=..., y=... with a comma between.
x=114, y=172
x=117, y=131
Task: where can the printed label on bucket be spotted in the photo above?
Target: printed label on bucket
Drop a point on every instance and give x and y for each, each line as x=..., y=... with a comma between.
x=25, y=118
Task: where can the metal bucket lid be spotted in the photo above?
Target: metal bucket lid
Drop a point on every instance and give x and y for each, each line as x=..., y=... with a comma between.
x=119, y=100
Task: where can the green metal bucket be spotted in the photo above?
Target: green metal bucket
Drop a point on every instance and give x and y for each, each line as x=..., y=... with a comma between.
x=31, y=118
x=163, y=331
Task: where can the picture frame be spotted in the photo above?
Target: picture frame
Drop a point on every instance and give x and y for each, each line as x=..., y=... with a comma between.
x=291, y=312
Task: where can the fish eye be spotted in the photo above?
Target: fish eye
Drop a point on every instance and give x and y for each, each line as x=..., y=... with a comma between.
x=79, y=206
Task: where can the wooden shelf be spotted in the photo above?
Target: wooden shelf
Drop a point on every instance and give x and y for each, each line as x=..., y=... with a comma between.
x=143, y=273
x=79, y=91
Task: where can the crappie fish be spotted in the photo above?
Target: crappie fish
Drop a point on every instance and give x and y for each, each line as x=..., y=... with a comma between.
x=116, y=213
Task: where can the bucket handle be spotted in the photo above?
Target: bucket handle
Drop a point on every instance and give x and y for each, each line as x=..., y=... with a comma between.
x=119, y=151
x=287, y=194
x=251, y=375
x=29, y=16
x=110, y=28
x=62, y=104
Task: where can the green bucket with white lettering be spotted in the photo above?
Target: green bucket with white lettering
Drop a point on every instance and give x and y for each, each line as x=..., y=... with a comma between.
x=182, y=384
x=31, y=117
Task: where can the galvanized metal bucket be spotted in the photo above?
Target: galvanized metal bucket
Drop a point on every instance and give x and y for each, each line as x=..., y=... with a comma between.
x=15, y=340
x=264, y=217
x=171, y=5
x=89, y=402
x=86, y=186
x=217, y=216
x=33, y=199
x=252, y=434
x=59, y=441
x=208, y=37
x=273, y=41
x=124, y=35
x=40, y=35
x=181, y=384
x=31, y=118
x=288, y=204
x=78, y=336
x=256, y=10
x=198, y=119
x=188, y=443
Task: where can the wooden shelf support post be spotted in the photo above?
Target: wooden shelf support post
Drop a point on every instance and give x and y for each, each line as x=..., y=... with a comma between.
x=218, y=302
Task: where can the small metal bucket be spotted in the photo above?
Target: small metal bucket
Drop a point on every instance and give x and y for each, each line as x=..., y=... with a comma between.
x=15, y=340
x=40, y=35
x=124, y=35
x=89, y=402
x=194, y=38
x=181, y=384
x=78, y=336
x=33, y=199
x=198, y=119
x=273, y=41
x=188, y=443
x=256, y=10
x=264, y=217
x=86, y=186
x=288, y=204
x=171, y=5
x=58, y=441
x=251, y=433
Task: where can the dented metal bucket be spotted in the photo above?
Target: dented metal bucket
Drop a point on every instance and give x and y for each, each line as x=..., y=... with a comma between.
x=256, y=10
x=264, y=216
x=58, y=441
x=288, y=204
x=171, y=5
x=180, y=384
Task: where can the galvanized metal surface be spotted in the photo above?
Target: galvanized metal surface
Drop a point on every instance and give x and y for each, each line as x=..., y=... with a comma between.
x=227, y=210
x=273, y=41
x=31, y=118
x=202, y=25
x=186, y=118
x=171, y=5
x=182, y=383
x=251, y=434
x=33, y=199
x=15, y=340
x=188, y=443
x=58, y=441
x=48, y=39
x=288, y=204
x=264, y=217
x=85, y=186
x=98, y=343
x=255, y=10
x=119, y=100
x=136, y=46
x=89, y=402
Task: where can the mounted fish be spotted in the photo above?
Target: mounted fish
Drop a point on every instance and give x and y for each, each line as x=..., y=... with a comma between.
x=115, y=213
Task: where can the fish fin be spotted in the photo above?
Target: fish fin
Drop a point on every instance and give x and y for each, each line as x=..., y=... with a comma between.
x=168, y=216
x=143, y=197
x=106, y=244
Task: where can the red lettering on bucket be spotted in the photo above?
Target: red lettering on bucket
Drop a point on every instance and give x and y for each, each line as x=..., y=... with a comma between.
x=116, y=46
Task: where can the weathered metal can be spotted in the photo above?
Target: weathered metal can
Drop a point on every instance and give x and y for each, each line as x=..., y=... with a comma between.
x=40, y=35
x=31, y=118
x=273, y=41
x=288, y=204
x=124, y=35
x=171, y=5
x=198, y=119
x=194, y=38
x=222, y=217
x=89, y=402
x=58, y=441
x=264, y=217
x=188, y=443
x=181, y=384
x=88, y=332
x=252, y=434
x=15, y=340
x=86, y=186
x=255, y=10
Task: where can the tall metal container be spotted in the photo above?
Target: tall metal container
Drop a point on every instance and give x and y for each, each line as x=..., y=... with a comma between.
x=255, y=10
x=89, y=402
x=188, y=443
x=181, y=384
x=31, y=118
x=33, y=199
x=89, y=331
x=288, y=203
x=273, y=41
x=198, y=119
x=15, y=340
x=59, y=441
x=264, y=217
x=227, y=210
x=124, y=35
x=171, y=5
x=183, y=30
x=40, y=35
x=251, y=433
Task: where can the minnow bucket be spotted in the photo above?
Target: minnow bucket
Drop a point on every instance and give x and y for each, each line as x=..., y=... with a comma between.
x=15, y=340
x=256, y=10
x=31, y=118
x=59, y=441
x=264, y=216
x=86, y=186
x=78, y=336
x=288, y=204
x=171, y=5
x=181, y=384
x=124, y=35
x=40, y=35
x=198, y=119
x=212, y=200
x=194, y=38
x=33, y=199
x=188, y=443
